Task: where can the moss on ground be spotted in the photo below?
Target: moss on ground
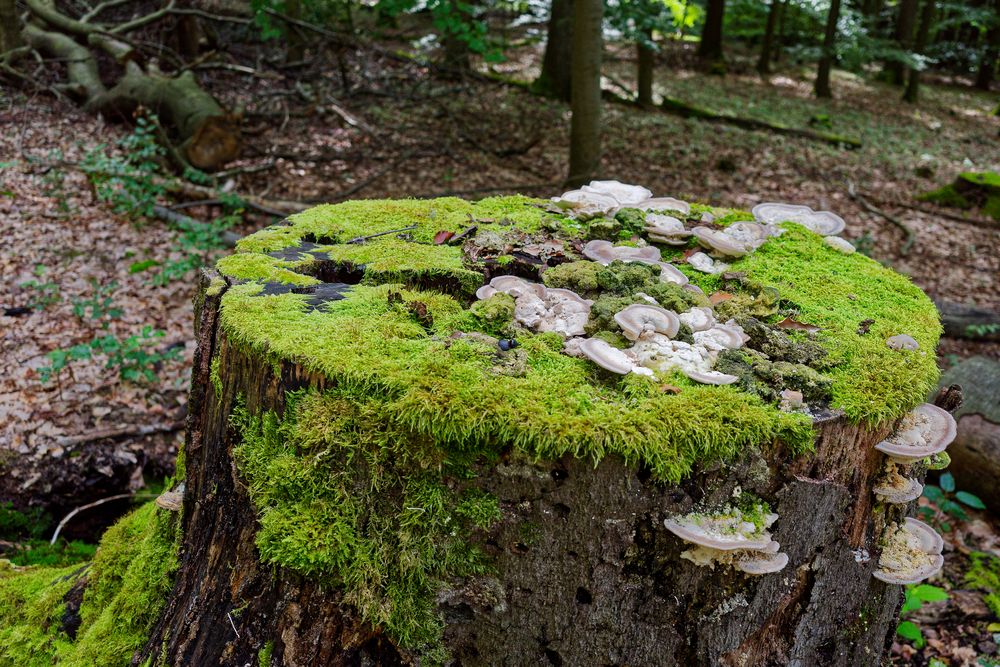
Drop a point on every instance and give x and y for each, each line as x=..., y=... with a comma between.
x=984, y=575
x=970, y=188
x=126, y=585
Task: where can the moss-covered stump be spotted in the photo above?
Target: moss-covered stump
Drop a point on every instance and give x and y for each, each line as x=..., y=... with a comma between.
x=970, y=189
x=382, y=469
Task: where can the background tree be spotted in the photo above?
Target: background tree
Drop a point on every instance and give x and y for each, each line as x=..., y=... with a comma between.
x=988, y=60
x=829, y=51
x=710, y=48
x=10, y=30
x=585, y=127
x=912, y=92
x=906, y=18
x=767, y=44
x=557, y=62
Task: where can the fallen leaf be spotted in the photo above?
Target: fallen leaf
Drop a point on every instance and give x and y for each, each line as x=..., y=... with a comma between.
x=789, y=323
x=669, y=389
x=718, y=297
x=864, y=326
x=442, y=237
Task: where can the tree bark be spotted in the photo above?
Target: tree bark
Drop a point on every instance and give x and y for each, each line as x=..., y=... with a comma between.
x=767, y=46
x=646, y=60
x=710, y=48
x=829, y=46
x=582, y=565
x=10, y=26
x=905, y=21
x=988, y=60
x=585, y=127
x=912, y=92
x=557, y=63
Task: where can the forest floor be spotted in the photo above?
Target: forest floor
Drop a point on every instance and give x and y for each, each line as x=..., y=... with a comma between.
x=374, y=125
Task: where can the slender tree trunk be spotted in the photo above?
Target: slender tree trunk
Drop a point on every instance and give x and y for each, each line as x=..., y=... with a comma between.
x=647, y=58
x=906, y=18
x=988, y=61
x=710, y=48
x=780, y=41
x=296, y=48
x=10, y=26
x=764, y=63
x=829, y=44
x=585, y=129
x=912, y=92
x=558, y=60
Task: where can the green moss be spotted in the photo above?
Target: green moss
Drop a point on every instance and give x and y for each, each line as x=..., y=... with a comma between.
x=581, y=277
x=946, y=195
x=251, y=266
x=264, y=655
x=347, y=495
x=216, y=286
x=984, y=575
x=632, y=221
x=495, y=315
x=125, y=588
x=623, y=278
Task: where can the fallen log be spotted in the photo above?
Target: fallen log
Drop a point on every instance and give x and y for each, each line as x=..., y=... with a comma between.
x=968, y=321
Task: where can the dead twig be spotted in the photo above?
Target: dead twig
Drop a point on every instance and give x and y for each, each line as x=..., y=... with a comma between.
x=911, y=237
x=62, y=524
x=362, y=239
x=121, y=432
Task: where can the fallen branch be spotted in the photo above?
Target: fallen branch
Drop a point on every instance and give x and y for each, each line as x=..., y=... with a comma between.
x=968, y=322
x=863, y=203
x=938, y=212
x=62, y=524
x=120, y=432
x=362, y=239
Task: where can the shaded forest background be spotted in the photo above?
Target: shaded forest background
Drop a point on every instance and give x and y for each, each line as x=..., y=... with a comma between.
x=139, y=139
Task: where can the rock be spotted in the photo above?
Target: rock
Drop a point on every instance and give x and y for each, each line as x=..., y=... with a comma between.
x=975, y=453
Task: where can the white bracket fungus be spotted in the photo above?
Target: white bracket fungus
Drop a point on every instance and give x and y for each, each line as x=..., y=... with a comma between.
x=640, y=320
x=720, y=242
x=896, y=489
x=924, y=431
x=540, y=308
x=610, y=358
x=911, y=554
x=902, y=342
x=839, y=244
x=823, y=223
x=666, y=229
x=729, y=539
x=699, y=261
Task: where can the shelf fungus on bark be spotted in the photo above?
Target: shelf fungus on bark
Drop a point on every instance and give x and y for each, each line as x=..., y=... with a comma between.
x=924, y=431
x=720, y=243
x=902, y=342
x=895, y=488
x=911, y=553
x=639, y=320
x=540, y=308
x=606, y=356
x=699, y=261
x=665, y=204
x=604, y=198
x=666, y=229
x=824, y=223
x=697, y=319
x=604, y=252
x=839, y=244
x=728, y=538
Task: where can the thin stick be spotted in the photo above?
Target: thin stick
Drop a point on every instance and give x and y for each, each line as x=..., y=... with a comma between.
x=362, y=239
x=55, y=535
x=69, y=441
x=863, y=203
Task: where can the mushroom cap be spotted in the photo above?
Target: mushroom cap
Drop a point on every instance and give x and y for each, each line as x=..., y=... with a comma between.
x=837, y=243
x=516, y=286
x=586, y=204
x=720, y=242
x=699, y=261
x=666, y=229
x=623, y=193
x=665, y=204
x=698, y=318
x=926, y=430
x=902, y=342
x=899, y=494
x=610, y=358
x=485, y=292
x=711, y=377
x=721, y=337
x=929, y=540
x=762, y=564
x=671, y=274
x=604, y=252
x=824, y=223
x=639, y=319
x=932, y=567
x=566, y=297
x=688, y=530
x=752, y=234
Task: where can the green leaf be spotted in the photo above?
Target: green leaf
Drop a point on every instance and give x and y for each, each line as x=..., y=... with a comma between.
x=970, y=500
x=954, y=509
x=928, y=593
x=933, y=493
x=909, y=630
x=947, y=482
x=145, y=264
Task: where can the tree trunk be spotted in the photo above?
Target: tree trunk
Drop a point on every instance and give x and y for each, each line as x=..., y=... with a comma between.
x=988, y=61
x=585, y=128
x=767, y=46
x=912, y=92
x=583, y=565
x=647, y=59
x=557, y=64
x=710, y=48
x=829, y=52
x=295, y=50
x=905, y=21
x=10, y=30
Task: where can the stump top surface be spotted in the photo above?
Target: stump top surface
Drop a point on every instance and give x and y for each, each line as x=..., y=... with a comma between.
x=378, y=296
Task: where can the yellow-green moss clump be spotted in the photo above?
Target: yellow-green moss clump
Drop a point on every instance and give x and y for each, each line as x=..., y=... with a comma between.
x=371, y=486
x=124, y=589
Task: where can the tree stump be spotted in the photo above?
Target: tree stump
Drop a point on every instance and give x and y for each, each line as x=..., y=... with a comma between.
x=382, y=469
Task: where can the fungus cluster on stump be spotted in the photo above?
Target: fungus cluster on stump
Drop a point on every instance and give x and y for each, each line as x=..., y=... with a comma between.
x=406, y=445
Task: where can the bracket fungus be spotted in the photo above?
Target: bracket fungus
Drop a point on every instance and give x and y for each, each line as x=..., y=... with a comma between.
x=540, y=308
x=610, y=358
x=666, y=229
x=824, y=223
x=699, y=261
x=924, y=431
x=665, y=204
x=839, y=244
x=911, y=553
x=720, y=242
x=697, y=319
x=902, y=342
x=604, y=252
x=896, y=489
x=729, y=538
x=639, y=320
x=586, y=204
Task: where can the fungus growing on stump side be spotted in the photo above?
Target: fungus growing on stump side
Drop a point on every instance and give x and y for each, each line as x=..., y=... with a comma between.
x=729, y=538
x=911, y=553
x=924, y=431
x=639, y=320
x=896, y=489
x=823, y=223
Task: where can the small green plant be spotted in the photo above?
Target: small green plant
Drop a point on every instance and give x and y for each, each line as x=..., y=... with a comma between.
x=132, y=356
x=982, y=330
x=128, y=182
x=46, y=293
x=949, y=501
x=98, y=306
x=865, y=244
x=199, y=242
x=916, y=596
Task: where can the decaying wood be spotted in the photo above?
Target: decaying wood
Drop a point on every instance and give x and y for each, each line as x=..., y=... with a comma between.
x=968, y=321
x=601, y=578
